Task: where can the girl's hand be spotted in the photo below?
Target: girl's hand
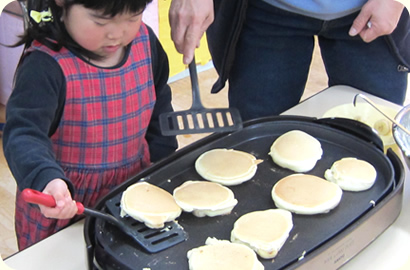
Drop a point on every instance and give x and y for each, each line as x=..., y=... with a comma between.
x=377, y=18
x=189, y=19
x=65, y=206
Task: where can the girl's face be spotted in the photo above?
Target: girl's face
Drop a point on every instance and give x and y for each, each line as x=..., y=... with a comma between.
x=104, y=35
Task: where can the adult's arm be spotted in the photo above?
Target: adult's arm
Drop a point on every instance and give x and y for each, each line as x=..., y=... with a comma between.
x=189, y=19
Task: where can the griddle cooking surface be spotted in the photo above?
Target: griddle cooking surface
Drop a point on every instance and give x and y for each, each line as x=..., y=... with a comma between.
x=308, y=233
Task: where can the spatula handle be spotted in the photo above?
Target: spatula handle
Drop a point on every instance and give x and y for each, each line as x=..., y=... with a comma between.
x=33, y=196
x=196, y=99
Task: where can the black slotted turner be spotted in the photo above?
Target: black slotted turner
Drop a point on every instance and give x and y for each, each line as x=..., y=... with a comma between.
x=199, y=119
x=152, y=240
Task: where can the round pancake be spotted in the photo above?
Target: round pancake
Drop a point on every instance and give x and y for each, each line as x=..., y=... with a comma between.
x=226, y=166
x=263, y=231
x=149, y=204
x=205, y=198
x=352, y=174
x=306, y=194
x=296, y=150
x=223, y=255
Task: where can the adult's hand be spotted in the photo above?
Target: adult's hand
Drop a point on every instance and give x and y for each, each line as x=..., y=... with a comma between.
x=377, y=18
x=189, y=19
x=65, y=206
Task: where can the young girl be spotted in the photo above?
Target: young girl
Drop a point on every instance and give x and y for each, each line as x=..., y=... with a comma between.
x=83, y=115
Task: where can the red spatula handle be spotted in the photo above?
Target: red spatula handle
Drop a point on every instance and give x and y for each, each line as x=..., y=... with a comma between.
x=37, y=197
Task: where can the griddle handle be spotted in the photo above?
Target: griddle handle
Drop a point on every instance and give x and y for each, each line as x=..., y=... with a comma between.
x=34, y=196
x=398, y=167
x=355, y=128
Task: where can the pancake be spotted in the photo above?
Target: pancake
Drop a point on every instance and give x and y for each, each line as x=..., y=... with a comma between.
x=306, y=194
x=149, y=204
x=296, y=150
x=205, y=198
x=223, y=255
x=352, y=174
x=263, y=231
x=226, y=166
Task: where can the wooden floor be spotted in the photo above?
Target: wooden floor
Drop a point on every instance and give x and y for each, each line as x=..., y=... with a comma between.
x=181, y=91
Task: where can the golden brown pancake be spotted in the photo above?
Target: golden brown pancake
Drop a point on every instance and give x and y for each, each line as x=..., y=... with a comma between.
x=296, y=150
x=306, y=194
x=226, y=166
x=149, y=204
x=223, y=255
x=263, y=231
x=204, y=198
x=352, y=174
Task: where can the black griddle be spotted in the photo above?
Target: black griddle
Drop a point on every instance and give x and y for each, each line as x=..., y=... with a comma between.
x=109, y=248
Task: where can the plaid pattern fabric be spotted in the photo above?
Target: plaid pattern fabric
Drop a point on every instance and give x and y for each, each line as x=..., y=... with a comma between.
x=100, y=141
x=107, y=111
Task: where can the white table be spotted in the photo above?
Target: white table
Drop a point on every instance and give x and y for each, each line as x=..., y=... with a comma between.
x=391, y=250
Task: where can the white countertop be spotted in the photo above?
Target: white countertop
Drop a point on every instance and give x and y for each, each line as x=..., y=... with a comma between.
x=65, y=250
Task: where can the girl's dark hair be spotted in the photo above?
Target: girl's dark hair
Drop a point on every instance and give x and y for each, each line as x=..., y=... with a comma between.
x=54, y=35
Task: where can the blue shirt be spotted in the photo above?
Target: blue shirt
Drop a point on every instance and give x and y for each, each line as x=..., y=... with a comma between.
x=319, y=9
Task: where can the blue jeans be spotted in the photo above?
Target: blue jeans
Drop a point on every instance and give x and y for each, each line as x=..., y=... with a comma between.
x=274, y=53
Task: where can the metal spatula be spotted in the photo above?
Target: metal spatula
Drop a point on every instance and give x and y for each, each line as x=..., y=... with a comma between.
x=199, y=119
x=152, y=240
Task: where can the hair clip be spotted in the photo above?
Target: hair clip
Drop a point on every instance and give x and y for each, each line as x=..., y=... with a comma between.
x=43, y=16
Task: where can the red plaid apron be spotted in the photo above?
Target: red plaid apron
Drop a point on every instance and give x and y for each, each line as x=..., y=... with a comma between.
x=100, y=141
